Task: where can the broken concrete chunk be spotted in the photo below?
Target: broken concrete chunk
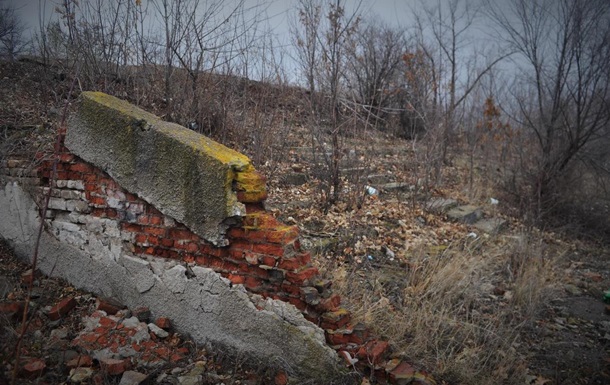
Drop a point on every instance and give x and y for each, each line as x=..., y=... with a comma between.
x=465, y=214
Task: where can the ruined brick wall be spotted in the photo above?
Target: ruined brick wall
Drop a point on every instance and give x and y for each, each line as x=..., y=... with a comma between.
x=89, y=210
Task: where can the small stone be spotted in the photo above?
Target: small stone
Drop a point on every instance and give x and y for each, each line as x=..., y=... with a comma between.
x=82, y=374
x=158, y=331
x=131, y=377
x=59, y=334
x=573, y=290
x=62, y=308
x=28, y=277
x=113, y=366
x=141, y=335
x=131, y=322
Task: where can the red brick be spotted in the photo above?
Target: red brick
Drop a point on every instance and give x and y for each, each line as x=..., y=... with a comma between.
x=252, y=283
x=302, y=276
x=241, y=246
x=166, y=242
x=81, y=167
x=80, y=361
x=158, y=231
x=66, y=157
x=284, y=234
x=12, y=309
x=109, y=183
x=192, y=247
x=261, y=220
x=33, y=368
x=97, y=201
x=130, y=197
x=114, y=367
x=236, y=279
x=111, y=213
x=291, y=289
x=281, y=378
x=403, y=371
x=221, y=265
x=237, y=233
x=268, y=249
x=337, y=338
x=335, y=320
x=89, y=179
x=373, y=351
x=62, y=308
x=258, y=272
x=143, y=219
x=141, y=239
x=298, y=303
x=132, y=227
x=73, y=175
x=220, y=252
x=251, y=197
x=291, y=264
x=156, y=220
x=180, y=234
x=109, y=306
x=330, y=304
x=251, y=258
x=163, y=323
x=268, y=260
x=153, y=240
x=98, y=212
x=107, y=322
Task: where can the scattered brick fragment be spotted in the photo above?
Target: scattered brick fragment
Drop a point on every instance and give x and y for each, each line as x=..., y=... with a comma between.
x=113, y=366
x=110, y=306
x=163, y=323
x=33, y=368
x=62, y=308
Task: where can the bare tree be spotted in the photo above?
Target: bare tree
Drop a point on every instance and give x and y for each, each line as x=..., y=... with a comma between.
x=322, y=44
x=445, y=36
x=564, y=49
x=374, y=64
x=12, y=42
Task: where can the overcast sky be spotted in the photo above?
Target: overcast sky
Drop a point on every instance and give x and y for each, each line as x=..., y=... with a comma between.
x=396, y=12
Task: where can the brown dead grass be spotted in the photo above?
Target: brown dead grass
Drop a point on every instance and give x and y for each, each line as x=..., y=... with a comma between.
x=457, y=313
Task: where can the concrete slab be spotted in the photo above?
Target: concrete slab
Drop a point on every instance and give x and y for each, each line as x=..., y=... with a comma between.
x=491, y=225
x=440, y=205
x=465, y=214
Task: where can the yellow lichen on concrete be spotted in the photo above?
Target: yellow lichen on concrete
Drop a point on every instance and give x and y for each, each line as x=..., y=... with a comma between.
x=185, y=175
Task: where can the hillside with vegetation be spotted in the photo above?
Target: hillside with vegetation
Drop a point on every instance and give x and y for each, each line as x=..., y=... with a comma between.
x=383, y=133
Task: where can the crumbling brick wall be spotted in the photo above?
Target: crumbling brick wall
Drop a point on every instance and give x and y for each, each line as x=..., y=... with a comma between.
x=89, y=210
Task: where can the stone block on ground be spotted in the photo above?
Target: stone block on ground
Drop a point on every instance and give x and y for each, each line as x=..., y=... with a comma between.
x=491, y=225
x=440, y=205
x=467, y=214
x=379, y=179
x=394, y=187
x=294, y=179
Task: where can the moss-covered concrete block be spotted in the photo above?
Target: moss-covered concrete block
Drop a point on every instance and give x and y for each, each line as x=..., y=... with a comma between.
x=183, y=174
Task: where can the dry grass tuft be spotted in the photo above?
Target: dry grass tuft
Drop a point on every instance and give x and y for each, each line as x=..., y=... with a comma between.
x=458, y=313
